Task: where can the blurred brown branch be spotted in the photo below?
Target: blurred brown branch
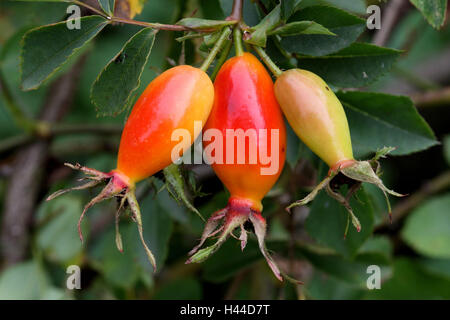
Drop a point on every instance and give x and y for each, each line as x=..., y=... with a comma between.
x=391, y=14
x=433, y=98
x=124, y=18
x=236, y=283
x=15, y=142
x=24, y=183
x=435, y=69
x=49, y=130
x=62, y=151
x=436, y=185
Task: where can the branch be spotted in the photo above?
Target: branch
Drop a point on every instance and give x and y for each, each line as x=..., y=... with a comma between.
x=25, y=181
x=238, y=279
x=12, y=143
x=215, y=50
x=390, y=17
x=159, y=26
x=436, y=185
x=49, y=130
x=87, y=6
x=435, y=69
x=432, y=98
x=236, y=12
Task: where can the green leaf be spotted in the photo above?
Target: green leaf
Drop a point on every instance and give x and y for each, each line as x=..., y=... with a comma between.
x=323, y=287
x=45, y=49
x=377, y=120
x=347, y=28
x=410, y=281
x=301, y=27
x=378, y=201
x=176, y=186
x=288, y=7
x=427, y=228
x=180, y=289
x=379, y=246
x=124, y=269
x=230, y=259
x=29, y=101
x=351, y=270
x=439, y=267
x=58, y=237
x=107, y=6
x=355, y=66
x=190, y=35
x=22, y=281
x=204, y=24
x=293, y=147
x=279, y=56
x=446, y=142
x=211, y=9
x=434, y=11
x=210, y=39
x=172, y=208
x=27, y=281
x=259, y=32
x=355, y=6
x=327, y=222
x=112, y=91
x=118, y=268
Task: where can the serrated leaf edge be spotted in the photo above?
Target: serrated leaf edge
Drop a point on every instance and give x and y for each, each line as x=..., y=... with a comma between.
x=22, y=50
x=127, y=101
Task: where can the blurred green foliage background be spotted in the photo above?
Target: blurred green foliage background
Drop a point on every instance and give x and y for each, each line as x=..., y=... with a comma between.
x=413, y=252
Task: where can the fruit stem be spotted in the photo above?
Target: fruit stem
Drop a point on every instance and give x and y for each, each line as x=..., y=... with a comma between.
x=237, y=38
x=236, y=11
x=215, y=50
x=157, y=26
x=223, y=57
x=269, y=63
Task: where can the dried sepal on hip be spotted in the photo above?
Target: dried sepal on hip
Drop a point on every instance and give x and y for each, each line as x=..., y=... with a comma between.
x=224, y=222
x=359, y=172
x=115, y=187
